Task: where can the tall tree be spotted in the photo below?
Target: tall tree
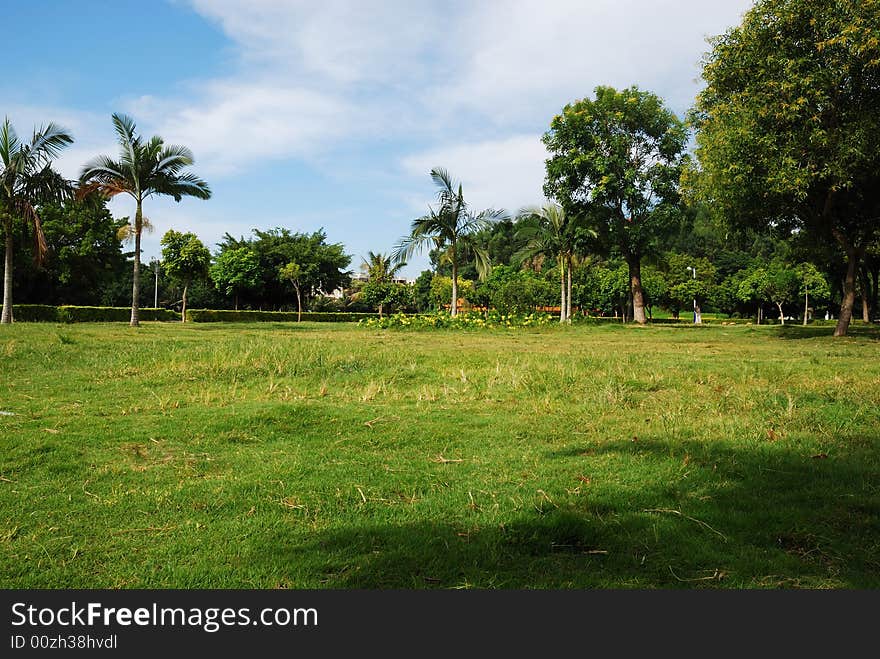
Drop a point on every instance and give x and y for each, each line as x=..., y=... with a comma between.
x=27, y=180
x=236, y=270
x=185, y=258
x=619, y=156
x=789, y=124
x=293, y=274
x=144, y=168
x=450, y=228
x=811, y=282
x=550, y=232
x=380, y=287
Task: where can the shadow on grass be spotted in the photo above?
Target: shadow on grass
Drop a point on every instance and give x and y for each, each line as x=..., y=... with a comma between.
x=706, y=515
x=858, y=330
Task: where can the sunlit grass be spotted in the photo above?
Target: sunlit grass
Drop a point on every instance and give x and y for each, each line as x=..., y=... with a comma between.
x=317, y=455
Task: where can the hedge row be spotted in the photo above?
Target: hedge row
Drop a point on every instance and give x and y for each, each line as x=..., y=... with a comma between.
x=223, y=316
x=45, y=313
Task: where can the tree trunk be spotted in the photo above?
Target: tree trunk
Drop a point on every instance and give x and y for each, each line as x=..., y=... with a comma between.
x=453, y=308
x=806, y=306
x=236, y=301
x=7, y=277
x=562, y=288
x=759, y=314
x=299, y=306
x=568, y=297
x=853, y=256
x=698, y=314
x=866, y=305
x=136, y=273
x=183, y=305
x=781, y=315
x=638, y=295
x=380, y=311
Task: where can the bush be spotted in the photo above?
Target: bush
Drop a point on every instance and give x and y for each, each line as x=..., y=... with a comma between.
x=71, y=314
x=47, y=313
x=223, y=316
x=35, y=313
x=464, y=320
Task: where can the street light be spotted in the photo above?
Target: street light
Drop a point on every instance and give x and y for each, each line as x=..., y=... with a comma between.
x=156, y=285
x=697, y=316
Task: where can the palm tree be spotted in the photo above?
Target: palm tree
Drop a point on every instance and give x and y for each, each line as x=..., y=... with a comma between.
x=144, y=168
x=380, y=269
x=27, y=180
x=549, y=231
x=451, y=228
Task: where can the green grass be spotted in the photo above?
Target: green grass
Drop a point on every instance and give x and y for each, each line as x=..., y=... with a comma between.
x=330, y=456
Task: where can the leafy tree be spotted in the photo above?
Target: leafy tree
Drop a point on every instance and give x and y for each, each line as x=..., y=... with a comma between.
x=26, y=181
x=513, y=290
x=618, y=157
x=235, y=271
x=293, y=273
x=811, y=282
x=551, y=232
x=452, y=229
x=381, y=288
x=380, y=294
x=442, y=287
x=789, y=124
x=753, y=288
x=184, y=259
x=422, y=291
x=145, y=168
x=84, y=256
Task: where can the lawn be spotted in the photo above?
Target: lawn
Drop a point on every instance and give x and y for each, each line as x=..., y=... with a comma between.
x=331, y=456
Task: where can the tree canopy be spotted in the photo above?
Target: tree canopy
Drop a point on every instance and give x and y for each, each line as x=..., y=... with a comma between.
x=789, y=123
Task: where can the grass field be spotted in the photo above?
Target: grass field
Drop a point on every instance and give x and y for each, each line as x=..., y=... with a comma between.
x=331, y=456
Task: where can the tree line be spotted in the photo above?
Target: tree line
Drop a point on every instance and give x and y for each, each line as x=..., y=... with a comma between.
x=776, y=208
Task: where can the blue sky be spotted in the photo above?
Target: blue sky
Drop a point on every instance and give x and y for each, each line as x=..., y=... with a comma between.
x=330, y=114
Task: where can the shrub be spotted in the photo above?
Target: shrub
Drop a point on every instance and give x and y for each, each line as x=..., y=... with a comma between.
x=224, y=316
x=47, y=313
x=35, y=313
x=464, y=320
x=71, y=314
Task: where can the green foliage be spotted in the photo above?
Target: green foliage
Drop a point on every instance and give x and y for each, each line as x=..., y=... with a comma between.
x=236, y=270
x=323, y=266
x=618, y=158
x=184, y=256
x=224, y=316
x=422, y=291
x=812, y=282
x=441, y=290
x=387, y=294
x=26, y=181
x=467, y=320
x=511, y=290
x=35, y=313
x=72, y=314
x=84, y=259
x=789, y=125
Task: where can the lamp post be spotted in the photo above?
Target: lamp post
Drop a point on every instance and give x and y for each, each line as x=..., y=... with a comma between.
x=697, y=316
x=156, y=285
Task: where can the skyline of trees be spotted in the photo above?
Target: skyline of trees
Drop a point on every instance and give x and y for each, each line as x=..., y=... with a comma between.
x=777, y=205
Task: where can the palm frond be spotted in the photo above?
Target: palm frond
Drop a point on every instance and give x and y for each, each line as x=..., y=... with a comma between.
x=48, y=142
x=9, y=143
x=184, y=185
x=173, y=158
x=29, y=214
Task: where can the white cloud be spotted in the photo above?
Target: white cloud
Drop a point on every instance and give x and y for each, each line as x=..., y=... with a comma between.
x=506, y=173
x=523, y=57
x=234, y=123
